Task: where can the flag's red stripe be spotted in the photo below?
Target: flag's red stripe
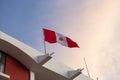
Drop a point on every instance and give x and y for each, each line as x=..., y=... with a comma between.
x=71, y=43
x=49, y=36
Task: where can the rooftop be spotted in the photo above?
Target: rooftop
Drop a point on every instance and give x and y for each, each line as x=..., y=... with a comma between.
x=43, y=65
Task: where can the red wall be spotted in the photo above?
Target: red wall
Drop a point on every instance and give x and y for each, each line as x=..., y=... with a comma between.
x=15, y=70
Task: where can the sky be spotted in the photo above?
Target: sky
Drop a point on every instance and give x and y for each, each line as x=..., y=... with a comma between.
x=93, y=24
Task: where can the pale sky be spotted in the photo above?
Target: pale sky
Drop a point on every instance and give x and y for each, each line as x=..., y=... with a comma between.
x=93, y=24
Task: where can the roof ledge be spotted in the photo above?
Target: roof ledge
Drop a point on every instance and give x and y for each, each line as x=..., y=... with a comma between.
x=73, y=74
x=42, y=59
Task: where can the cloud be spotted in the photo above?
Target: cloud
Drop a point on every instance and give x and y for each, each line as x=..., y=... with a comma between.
x=95, y=27
x=100, y=24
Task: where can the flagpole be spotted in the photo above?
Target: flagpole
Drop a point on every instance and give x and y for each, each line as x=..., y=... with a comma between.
x=44, y=47
x=86, y=67
x=44, y=43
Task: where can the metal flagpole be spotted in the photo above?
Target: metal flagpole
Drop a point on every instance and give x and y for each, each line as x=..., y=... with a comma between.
x=44, y=47
x=44, y=42
x=87, y=68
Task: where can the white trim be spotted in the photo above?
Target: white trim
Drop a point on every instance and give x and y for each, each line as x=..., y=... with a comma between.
x=32, y=75
x=4, y=76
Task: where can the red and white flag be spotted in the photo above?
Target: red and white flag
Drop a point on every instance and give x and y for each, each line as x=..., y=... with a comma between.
x=53, y=37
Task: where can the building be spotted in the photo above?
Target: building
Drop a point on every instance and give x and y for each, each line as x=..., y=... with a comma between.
x=19, y=61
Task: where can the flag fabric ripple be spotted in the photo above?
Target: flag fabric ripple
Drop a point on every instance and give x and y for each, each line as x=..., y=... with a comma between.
x=54, y=37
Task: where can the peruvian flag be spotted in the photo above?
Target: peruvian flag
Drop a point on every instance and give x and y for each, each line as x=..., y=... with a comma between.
x=53, y=37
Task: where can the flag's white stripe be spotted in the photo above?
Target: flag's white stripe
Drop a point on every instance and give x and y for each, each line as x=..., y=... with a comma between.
x=61, y=39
